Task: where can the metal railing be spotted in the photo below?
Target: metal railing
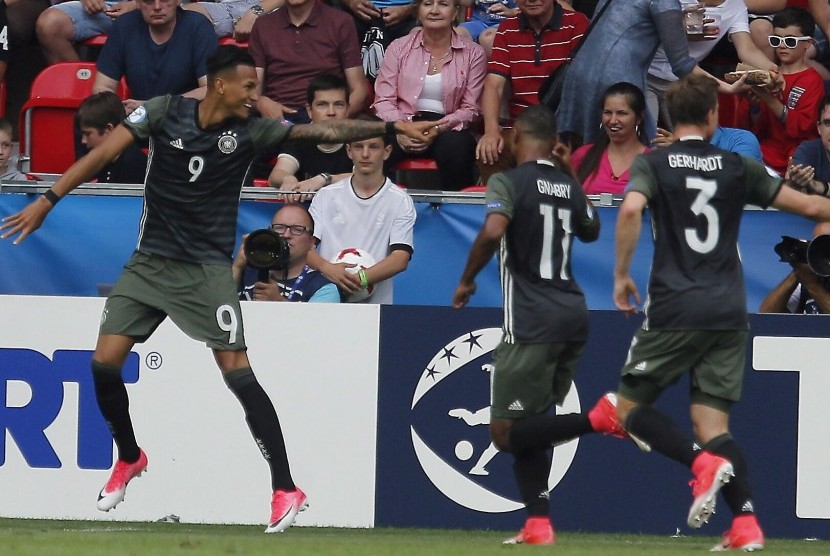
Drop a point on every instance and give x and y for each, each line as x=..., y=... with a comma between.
x=257, y=193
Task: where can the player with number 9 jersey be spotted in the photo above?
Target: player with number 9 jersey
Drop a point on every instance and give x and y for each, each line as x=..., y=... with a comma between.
x=200, y=157
x=194, y=178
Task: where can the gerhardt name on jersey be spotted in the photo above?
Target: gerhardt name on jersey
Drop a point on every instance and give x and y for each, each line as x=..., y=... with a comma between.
x=562, y=190
x=702, y=163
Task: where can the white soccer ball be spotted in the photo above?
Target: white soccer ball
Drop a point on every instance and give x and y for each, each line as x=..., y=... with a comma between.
x=362, y=260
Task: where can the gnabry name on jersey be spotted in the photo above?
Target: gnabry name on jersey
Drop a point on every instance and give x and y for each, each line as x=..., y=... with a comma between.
x=556, y=189
x=702, y=163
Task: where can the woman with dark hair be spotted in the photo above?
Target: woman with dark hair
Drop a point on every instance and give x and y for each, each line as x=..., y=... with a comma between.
x=603, y=166
x=620, y=47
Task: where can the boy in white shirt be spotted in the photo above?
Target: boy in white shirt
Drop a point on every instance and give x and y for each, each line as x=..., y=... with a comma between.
x=369, y=212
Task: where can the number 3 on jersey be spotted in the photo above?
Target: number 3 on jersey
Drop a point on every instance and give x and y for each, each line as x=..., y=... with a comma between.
x=701, y=207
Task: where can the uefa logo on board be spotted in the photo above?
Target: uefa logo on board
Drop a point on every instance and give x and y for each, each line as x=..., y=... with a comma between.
x=450, y=413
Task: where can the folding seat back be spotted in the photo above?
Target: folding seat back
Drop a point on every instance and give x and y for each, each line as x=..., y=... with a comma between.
x=47, y=132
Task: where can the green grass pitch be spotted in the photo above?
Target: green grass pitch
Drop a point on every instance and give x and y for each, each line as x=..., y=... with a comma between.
x=19, y=537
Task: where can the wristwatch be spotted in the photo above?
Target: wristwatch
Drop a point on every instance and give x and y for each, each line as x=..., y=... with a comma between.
x=257, y=10
x=326, y=178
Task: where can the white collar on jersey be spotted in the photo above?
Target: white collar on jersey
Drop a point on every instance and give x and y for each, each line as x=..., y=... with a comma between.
x=691, y=138
x=545, y=161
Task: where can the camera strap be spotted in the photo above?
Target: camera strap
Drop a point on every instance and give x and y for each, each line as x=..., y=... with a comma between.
x=295, y=285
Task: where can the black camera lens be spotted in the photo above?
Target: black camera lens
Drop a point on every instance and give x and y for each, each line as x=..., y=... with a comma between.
x=266, y=249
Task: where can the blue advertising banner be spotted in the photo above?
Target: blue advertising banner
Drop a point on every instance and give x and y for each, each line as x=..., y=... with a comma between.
x=86, y=240
x=437, y=467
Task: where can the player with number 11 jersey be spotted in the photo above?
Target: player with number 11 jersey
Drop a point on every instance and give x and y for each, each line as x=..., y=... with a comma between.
x=546, y=208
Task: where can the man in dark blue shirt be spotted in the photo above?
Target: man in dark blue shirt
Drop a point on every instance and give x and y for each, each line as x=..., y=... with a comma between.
x=159, y=49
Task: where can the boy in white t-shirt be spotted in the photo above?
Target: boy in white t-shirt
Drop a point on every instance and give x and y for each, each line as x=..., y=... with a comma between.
x=369, y=212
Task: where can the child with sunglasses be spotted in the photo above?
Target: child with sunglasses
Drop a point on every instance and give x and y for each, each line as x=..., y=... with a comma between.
x=782, y=120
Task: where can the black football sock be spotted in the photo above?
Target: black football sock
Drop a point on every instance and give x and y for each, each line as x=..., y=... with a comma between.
x=115, y=407
x=662, y=434
x=738, y=491
x=531, y=469
x=540, y=432
x=264, y=424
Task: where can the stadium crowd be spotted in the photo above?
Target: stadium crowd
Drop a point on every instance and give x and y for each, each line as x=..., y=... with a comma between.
x=471, y=66
x=417, y=71
x=423, y=60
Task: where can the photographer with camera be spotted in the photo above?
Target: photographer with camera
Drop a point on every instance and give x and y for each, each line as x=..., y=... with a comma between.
x=287, y=277
x=804, y=291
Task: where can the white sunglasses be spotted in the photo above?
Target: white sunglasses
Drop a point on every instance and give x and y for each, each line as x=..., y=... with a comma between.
x=790, y=42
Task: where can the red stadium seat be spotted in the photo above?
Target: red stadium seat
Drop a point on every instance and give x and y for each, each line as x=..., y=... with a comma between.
x=47, y=133
x=416, y=164
x=232, y=41
x=97, y=40
x=416, y=173
x=89, y=48
x=475, y=189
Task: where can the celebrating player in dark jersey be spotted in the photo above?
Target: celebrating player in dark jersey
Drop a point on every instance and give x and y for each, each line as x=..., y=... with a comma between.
x=533, y=213
x=696, y=319
x=200, y=157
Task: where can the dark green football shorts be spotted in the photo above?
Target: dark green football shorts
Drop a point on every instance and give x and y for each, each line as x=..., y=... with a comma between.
x=659, y=358
x=201, y=299
x=529, y=378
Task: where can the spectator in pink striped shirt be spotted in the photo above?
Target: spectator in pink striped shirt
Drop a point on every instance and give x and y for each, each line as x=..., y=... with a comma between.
x=435, y=74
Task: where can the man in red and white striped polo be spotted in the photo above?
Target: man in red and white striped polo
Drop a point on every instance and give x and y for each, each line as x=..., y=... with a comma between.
x=526, y=50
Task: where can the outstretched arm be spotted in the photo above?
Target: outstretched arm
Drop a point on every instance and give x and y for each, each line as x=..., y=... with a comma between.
x=814, y=207
x=629, y=224
x=31, y=217
x=486, y=243
x=343, y=131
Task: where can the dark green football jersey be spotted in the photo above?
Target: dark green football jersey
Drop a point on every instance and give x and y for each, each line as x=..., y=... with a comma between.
x=696, y=195
x=546, y=208
x=195, y=176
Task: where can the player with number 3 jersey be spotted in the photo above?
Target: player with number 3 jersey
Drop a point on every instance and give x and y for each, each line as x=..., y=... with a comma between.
x=696, y=320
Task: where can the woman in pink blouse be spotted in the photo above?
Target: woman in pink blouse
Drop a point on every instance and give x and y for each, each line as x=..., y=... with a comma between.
x=603, y=166
x=435, y=74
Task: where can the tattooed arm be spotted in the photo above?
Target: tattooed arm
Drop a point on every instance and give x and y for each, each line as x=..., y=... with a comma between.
x=343, y=131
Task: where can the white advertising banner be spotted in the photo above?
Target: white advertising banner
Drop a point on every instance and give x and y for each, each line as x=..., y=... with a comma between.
x=317, y=362
x=799, y=355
